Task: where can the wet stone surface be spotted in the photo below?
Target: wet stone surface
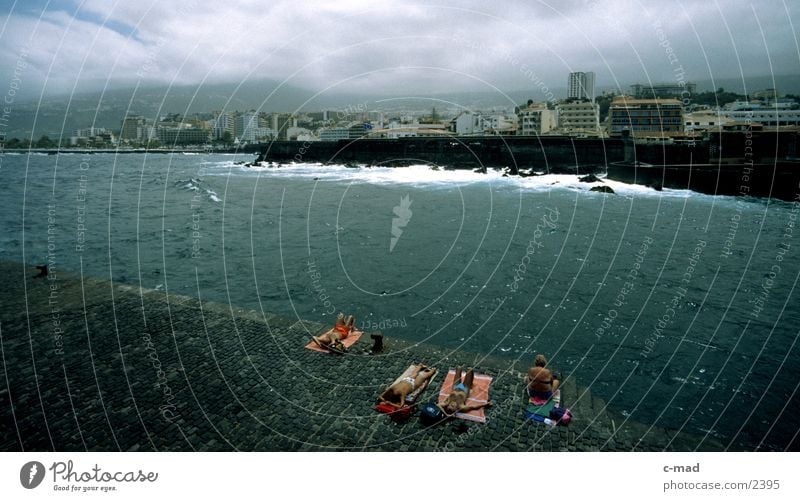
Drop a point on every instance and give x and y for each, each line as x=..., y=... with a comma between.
x=141, y=370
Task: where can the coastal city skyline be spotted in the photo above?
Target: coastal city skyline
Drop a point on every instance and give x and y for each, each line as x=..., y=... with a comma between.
x=584, y=112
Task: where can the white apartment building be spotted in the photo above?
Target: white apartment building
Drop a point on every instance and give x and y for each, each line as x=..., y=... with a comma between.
x=580, y=85
x=222, y=124
x=498, y=124
x=466, y=123
x=578, y=116
x=768, y=117
x=703, y=120
x=246, y=125
x=534, y=120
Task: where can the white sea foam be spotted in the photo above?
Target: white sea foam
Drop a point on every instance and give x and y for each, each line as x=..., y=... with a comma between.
x=424, y=175
x=213, y=196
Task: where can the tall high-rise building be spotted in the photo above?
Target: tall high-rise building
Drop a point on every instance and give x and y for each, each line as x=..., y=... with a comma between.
x=581, y=85
x=246, y=125
x=223, y=122
x=281, y=122
x=133, y=128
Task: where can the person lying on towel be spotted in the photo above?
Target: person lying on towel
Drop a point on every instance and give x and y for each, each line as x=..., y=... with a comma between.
x=396, y=394
x=335, y=336
x=540, y=380
x=456, y=401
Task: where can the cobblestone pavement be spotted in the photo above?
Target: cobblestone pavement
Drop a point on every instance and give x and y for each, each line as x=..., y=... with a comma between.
x=95, y=366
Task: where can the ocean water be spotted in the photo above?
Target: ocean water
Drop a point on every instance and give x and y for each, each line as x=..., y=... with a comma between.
x=678, y=309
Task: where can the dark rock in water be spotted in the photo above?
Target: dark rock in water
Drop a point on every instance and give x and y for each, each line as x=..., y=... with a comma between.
x=480, y=170
x=42, y=271
x=240, y=162
x=434, y=167
x=657, y=186
x=602, y=189
x=590, y=178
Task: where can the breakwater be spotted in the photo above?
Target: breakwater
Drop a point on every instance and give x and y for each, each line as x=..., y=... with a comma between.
x=142, y=370
x=779, y=180
x=554, y=154
x=737, y=163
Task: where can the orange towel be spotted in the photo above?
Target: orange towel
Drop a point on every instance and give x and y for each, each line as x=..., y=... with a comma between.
x=348, y=342
x=479, y=394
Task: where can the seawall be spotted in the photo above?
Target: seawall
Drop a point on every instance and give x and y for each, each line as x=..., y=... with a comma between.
x=557, y=154
x=780, y=180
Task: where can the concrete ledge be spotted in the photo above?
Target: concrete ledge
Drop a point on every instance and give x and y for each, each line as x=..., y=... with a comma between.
x=148, y=370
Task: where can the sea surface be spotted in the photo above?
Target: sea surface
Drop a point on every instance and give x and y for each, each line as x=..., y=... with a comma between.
x=678, y=309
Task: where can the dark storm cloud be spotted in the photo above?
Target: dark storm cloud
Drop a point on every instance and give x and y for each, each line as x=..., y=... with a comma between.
x=393, y=47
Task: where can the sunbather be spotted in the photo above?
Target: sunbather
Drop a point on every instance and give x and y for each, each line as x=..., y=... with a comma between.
x=540, y=380
x=459, y=393
x=396, y=394
x=337, y=334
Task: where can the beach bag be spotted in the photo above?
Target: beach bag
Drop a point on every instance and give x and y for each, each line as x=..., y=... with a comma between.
x=430, y=414
x=560, y=415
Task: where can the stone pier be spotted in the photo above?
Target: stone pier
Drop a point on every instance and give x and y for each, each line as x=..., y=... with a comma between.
x=91, y=365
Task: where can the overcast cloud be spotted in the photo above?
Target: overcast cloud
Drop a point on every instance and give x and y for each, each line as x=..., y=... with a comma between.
x=391, y=47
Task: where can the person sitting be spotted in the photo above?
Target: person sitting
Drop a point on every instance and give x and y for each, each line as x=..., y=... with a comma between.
x=396, y=394
x=541, y=383
x=456, y=401
x=340, y=331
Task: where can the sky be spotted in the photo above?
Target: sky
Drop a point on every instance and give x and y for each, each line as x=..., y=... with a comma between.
x=411, y=47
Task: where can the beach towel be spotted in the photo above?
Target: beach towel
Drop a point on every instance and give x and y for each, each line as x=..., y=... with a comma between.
x=479, y=394
x=538, y=410
x=411, y=398
x=349, y=341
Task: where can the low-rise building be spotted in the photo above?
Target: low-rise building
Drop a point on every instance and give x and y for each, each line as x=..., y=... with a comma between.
x=334, y=134
x=704, y=120
x=499, y=123
x=663, y=90
x=92, y=136
x=534, y=120
x=645, y=117
x=169, y=135
x=467, y=123
x=768, y=116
